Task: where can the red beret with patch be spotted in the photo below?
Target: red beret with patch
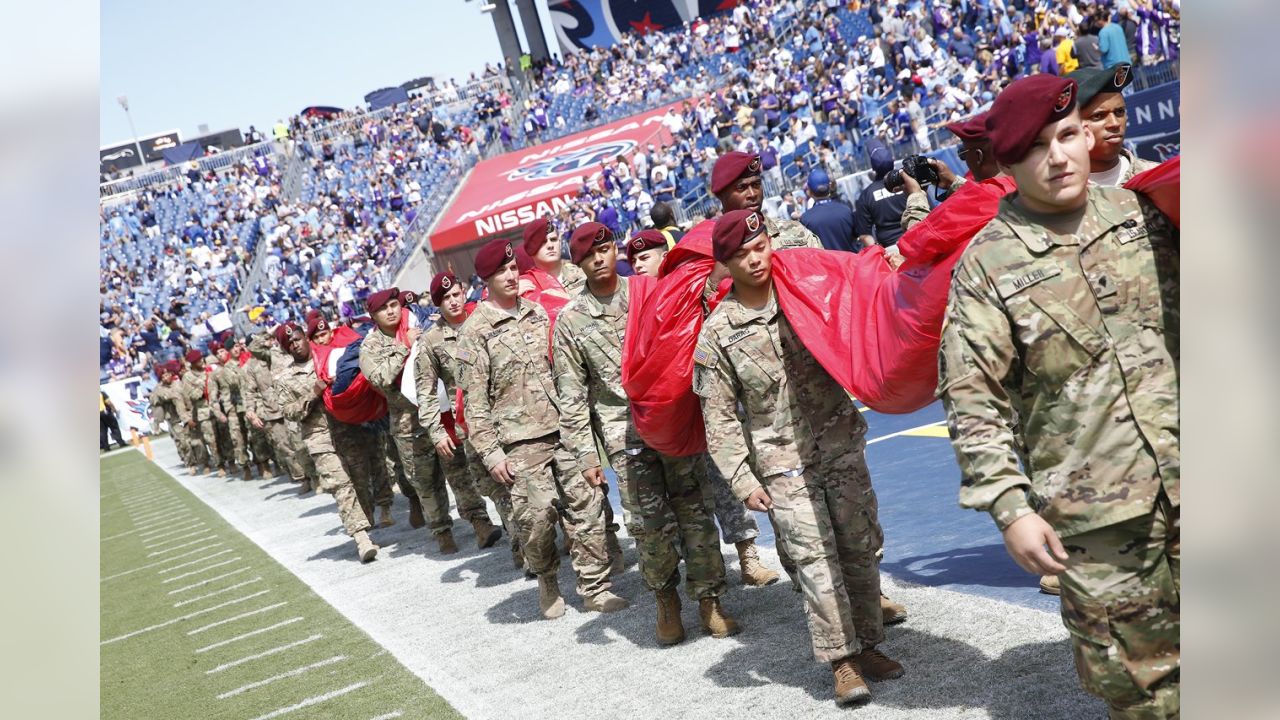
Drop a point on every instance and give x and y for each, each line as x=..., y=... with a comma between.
x=492, y=257
x=408, y=297
x=379, y=299
x=440, y=284
x=1022, y=110
x=282, y=332
x=971, y=129
x=314, y=312
x=524, y=263
x=316, y=323
x=585, y=237
x=733, y=230
x=731, y=166
x=173, y=367
x=645, y=240
x=535, y=235
x=194, y=356
x=214, y=346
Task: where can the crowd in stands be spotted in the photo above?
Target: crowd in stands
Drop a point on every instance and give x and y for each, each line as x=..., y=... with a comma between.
x=805, y=84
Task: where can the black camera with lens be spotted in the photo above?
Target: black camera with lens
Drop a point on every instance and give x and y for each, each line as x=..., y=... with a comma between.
x=917, y=166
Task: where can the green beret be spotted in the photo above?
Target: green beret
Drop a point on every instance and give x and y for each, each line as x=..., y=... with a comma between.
x=1093, y=81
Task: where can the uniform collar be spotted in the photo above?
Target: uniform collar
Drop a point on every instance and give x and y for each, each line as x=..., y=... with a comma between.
x=739, y=314
x=1100, y=216
x=597, y=309
x=497, y=315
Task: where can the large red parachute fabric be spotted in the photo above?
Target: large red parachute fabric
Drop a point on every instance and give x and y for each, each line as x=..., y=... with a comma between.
x=1162, y=184
x=360, y=402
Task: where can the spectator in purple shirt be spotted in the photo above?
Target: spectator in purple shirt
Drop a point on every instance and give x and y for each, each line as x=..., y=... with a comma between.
x=1048, y=62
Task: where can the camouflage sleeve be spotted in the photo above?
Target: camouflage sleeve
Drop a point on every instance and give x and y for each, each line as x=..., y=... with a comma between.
x=382, y=363
x=220, y=393
x=917, y=209
x=426, y=379
x=571, y=387
x=295, y=399
x=714, y=382
x=156, y=410
x=192, y=389
x=181, y=406
x=976, y=363
x=249, y=391
x=473, y=361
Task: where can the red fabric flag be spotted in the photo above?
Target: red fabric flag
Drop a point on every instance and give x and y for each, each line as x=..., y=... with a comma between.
x=1162, y=184
x=360, y=402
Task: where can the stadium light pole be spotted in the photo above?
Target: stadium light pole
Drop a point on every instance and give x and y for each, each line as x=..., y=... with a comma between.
x=137, y=146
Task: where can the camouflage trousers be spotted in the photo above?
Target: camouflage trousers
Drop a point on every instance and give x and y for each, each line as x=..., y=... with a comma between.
x=1121, y=602
x=207, y=433
x=468, y=479
x=317, y=434
x=259, y=443
x=357, y=448
x=298, y=446
x=536, y=486
x=827, y=518
x=382, y=464
x=182, y=440
x=231, y=437
x=664, y=503
x=736, y=522
x=473, y=467
x=417, y=456
x=277, y=433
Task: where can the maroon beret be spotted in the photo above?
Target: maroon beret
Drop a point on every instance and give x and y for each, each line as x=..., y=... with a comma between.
x=440, y=285
x=408, y=297
x=1022, y=110
x=645, y=240
x=731, y=166
x=970, y=129
x=585, y=237
x=733, y=230
x=316, y=323
x=491, y=258
x=377, y=300
x=214, y=346
x=314, y=312
x=535, y=235
x=194, y=356
x=173, y=367
x=282, y=332
x=524, y=263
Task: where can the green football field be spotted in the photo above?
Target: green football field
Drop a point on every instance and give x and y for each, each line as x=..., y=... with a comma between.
x=198, y=622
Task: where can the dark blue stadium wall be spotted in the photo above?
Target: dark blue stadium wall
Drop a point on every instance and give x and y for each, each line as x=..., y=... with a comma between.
x=585, y=24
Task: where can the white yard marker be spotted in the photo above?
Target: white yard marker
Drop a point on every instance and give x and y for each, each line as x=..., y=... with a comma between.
x=158, y=563
x=193, y=562
x=151, y=499
x=119, y=535
x=265, y=653
x=202, y=583
x=904, y=432
x=158, y=533
x=389, y=716
x=249, y=634
x=313, y=700
x=203, y=569
x=179, y=619
x=185, y=544
x=153, y=506
x=169, y=541
x=168, y=521
x=216, y=593
x=291, y=673
x=241, y=616
x=158, y=513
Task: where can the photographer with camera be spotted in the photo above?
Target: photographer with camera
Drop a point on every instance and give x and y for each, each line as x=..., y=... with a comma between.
x=975, y=150
x=878, y=209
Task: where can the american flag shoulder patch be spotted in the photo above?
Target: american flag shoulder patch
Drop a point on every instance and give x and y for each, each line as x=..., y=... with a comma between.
x=704, y=357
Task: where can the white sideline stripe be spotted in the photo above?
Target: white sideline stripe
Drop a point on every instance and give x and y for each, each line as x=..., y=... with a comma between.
x=215, y=593
x=158, y=512
x=188, y=616
x=194, y=562
x=313, y=700
x=143, y=491
x=166, y=532
x=134, y=504
x=120, y=535
x=166, y=522
x=203, y=569
x=167, y=541
x=249, y=634
x=158, y=563
x=185, y=544
x=153, y=505
x=282, y=676
x=241, y=616
x=210, y=580
x=265, y=653
x=389, y=716
x=904, y=432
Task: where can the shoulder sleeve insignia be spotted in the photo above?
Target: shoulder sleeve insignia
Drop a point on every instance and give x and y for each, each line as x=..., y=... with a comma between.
x=704, y=357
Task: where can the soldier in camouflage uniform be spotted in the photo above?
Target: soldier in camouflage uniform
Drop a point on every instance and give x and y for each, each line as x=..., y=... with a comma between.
x=542, y=244
x=513, y=414
x=1103, y=112
x=227, y=404
x=259, y=445
x=382, y=360
x=195, y=386
x=300, y=392
x=262, y=407
x=661, y=494
x=798, y=452
x=167, y=398
x=436, y=363
x=736, y=182
x=1061, y=345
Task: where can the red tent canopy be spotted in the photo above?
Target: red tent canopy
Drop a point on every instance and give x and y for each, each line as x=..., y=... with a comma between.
x=512, y=190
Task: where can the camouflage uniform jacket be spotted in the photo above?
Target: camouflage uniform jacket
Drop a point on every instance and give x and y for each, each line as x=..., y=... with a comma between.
x=195, y=385
x=1136, y=165
x=437, y=360
x=588, y=365
x=259, y=398
x=157, y=405
x=795, y=414
x=572, y=278
x=790, y=234
x=382, y=361
x=294, y=387
x=226, y=388
x=506, y=378
x=179, y=405
x=1066, y=346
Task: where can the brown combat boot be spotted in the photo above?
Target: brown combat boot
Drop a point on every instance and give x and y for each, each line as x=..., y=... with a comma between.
x=416, y=520
x=304, y=487
x=1049, y=585
x=248, y=471
x=387, y=520
x=365, y=548
x=877, y=666
x=486, y=534
x=715, y=620
x=550, y=602
x=850, y=687
x=605, y=602
x=670, y=628
x=263, y=470
x=446, y=543
x=891, y=612
x=754, y=572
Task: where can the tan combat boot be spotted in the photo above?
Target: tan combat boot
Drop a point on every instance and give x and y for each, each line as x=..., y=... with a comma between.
x=715, y=620
x=304, y=487
x=387, y=520
x=263, y=470
x=1049, y=585
x=446, y=543
x=416, y=520
x=891, y=612
x=754, y=573
x=248, y=471
x=222, y=471
x=670, y=629
x=364, y=546
x=877, y=666
x=486, y=534
x=605, y=602
x=850, y=687
x=549, y=599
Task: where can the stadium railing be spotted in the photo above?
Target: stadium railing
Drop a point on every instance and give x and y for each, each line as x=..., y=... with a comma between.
x=218, y=163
